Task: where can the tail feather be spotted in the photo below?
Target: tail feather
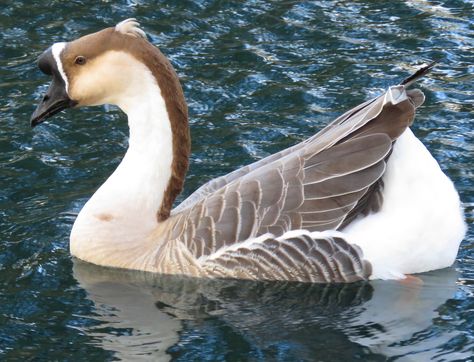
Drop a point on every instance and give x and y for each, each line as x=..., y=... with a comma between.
x=418, y=74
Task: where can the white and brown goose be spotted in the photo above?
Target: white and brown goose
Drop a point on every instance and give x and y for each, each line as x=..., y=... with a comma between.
x=361, y=199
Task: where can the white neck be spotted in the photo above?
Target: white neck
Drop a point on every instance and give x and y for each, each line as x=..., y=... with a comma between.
x=124, y=209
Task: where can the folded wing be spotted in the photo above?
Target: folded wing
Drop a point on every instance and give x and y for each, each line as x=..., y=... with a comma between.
x=320, y=184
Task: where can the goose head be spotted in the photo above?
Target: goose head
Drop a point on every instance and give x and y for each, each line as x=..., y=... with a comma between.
x=105, y=67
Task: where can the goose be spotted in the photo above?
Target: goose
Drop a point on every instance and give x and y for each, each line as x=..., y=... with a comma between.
x=361, y=199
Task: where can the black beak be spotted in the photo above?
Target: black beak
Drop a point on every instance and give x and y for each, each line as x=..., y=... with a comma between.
x=56, y=98
x=54, y=101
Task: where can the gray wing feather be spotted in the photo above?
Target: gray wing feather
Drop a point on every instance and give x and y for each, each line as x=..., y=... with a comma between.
x=303, y=258
x=316, y=185
x=343, y=126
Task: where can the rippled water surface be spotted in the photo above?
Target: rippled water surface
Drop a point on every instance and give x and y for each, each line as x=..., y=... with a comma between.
x=258, y=76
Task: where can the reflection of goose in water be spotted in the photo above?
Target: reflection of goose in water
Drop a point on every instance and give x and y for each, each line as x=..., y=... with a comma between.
x=313, y=320
x=363, y=198
x=126, y=305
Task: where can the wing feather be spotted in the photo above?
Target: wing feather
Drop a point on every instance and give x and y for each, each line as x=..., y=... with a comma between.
x=301, y=256
x=343, y=185
x=320, y=184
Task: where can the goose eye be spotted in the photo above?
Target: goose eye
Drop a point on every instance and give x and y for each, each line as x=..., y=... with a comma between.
x=80, y=60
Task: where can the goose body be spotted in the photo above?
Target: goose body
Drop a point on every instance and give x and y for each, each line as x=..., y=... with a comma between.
x=361, y=199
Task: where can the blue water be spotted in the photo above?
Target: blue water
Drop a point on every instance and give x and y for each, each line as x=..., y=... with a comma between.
x=258, y=76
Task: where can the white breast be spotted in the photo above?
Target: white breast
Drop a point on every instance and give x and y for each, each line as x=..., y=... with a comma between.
x=420, y=225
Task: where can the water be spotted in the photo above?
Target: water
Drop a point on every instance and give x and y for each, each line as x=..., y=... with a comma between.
x=258, y=76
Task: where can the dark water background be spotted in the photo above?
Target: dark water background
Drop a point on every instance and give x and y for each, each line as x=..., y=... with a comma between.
x=259, y=76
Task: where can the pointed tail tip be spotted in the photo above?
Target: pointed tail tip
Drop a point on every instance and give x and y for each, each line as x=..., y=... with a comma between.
x=418, y=74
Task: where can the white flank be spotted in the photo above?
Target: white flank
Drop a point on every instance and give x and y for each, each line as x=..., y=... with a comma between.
x=57, y=48
x=420, y=225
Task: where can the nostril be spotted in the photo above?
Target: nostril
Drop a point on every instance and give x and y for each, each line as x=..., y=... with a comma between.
x=45, y=98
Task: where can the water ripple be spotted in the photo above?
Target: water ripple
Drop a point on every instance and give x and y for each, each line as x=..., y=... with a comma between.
x=258, y=76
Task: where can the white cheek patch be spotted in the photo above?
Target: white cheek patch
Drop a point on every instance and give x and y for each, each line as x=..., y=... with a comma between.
x=57, y=48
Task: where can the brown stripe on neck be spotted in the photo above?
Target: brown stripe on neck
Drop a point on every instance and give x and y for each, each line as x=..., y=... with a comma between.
x=176, y=106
